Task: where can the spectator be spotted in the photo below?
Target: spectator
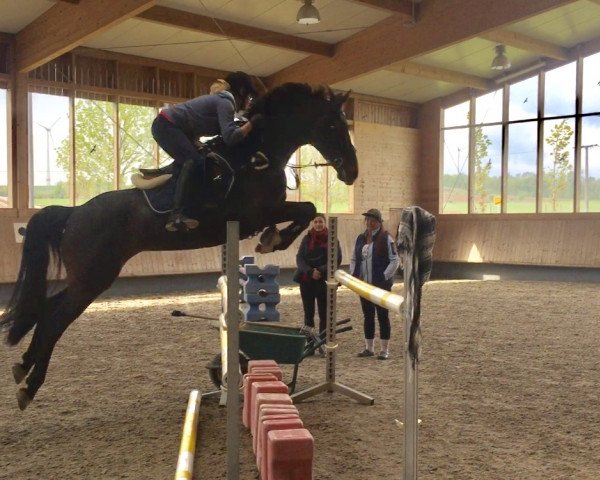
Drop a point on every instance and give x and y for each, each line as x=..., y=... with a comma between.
x=375, y=260
x=311, y=274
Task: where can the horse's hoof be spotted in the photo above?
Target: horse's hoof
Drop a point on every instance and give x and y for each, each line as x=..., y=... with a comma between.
x=263, y=248
x=267, y=241
x=23, y=399
x=19, y=373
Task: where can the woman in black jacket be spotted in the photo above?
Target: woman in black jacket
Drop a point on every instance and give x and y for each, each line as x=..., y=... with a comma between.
x=311, y=274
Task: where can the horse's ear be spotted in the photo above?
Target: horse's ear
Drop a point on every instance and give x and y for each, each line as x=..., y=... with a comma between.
x=341, y=99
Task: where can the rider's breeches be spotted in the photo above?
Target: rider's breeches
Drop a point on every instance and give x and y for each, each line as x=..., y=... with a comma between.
x=383, y=317
x=176, y=143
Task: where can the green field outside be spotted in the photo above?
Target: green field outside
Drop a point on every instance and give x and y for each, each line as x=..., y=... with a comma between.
x=520, y=207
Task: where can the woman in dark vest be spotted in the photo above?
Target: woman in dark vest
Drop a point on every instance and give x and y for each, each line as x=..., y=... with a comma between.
x=311, y=274
x=375, y=260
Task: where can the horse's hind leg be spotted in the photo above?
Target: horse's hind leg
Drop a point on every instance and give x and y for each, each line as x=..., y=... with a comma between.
x=47, y=333
x=20, y=370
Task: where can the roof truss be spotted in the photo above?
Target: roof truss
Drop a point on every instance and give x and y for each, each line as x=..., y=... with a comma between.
x=50, y=35
x=201, y=23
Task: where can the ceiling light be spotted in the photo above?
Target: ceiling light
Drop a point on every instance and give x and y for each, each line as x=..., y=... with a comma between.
x=501, y=61
x=308, y=14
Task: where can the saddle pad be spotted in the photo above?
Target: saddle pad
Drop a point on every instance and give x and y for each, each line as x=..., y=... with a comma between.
x=160, y=199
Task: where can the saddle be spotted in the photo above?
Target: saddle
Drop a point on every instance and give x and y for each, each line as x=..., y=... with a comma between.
x=158, y=184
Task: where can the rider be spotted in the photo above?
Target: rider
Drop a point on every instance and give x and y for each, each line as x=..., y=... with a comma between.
x=177, y=127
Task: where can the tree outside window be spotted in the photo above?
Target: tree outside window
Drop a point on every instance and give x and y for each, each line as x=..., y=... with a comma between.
x=558, y=175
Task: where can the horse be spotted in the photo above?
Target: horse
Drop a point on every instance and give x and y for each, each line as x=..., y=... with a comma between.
x=92, y=242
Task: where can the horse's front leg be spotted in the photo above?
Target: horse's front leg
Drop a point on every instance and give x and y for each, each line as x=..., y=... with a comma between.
x=299, y=213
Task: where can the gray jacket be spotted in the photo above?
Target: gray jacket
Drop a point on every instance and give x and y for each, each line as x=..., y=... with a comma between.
x=207, y=116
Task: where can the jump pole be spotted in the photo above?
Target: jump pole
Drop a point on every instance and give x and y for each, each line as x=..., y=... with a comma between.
x=330, y=385
x=230, y=345
x=187, y=448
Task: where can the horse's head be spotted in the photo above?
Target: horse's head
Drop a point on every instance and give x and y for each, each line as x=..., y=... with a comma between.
x=298, y=114
x=331, y=138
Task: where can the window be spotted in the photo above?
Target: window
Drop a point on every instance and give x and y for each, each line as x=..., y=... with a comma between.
x=94, y=148
x=521, y=176
x=102, y=155
x=50, y=150
x=589, y=191
x=539, y=156
x=317, y=184
x=4, y=154
x=137, y=148
x=455, y=188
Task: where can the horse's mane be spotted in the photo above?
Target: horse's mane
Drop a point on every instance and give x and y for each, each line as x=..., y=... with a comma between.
x=289, y=96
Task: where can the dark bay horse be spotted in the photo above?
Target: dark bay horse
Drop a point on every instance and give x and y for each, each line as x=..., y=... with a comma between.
x=92, y=242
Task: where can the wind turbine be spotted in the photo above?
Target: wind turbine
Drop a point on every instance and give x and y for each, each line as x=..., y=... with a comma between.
x=48, y=136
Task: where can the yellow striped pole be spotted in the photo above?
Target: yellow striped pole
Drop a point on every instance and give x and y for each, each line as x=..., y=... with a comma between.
x=378, y=296
x=185, y=461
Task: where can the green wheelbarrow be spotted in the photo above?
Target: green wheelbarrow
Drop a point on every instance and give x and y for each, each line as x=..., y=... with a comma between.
x=268, y=341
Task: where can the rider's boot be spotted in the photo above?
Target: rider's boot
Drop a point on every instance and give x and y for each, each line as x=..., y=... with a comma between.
x=178, y=221
x=259, y=161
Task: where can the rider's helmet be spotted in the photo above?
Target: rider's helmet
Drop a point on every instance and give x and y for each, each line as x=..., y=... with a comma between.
x=241, y=86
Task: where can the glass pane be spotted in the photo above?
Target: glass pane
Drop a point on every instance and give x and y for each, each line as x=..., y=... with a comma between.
x=94, y=148
x=589, y=200
x=51, y=150
x=559, y=94
x=488, y=108
x=313, y=181
x=591, y=84
x=136, y=145
x=4, y=200
x=456, y=116
x=455, y=158
x=487, y=170
x=523, y=100
x=292, y=178
x=522, y=168
x=338, y=194
x=558, y=165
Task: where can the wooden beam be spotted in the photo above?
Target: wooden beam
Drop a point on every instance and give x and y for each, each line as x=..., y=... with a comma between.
x=224, y=28
x=524, y=42
x=587, y=48
x=66, y=26
x=440, y=24
x=403, y=7
x=441, y=74
x=595, y=1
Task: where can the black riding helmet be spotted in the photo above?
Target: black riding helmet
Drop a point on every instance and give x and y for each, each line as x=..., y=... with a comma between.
x=241, y=87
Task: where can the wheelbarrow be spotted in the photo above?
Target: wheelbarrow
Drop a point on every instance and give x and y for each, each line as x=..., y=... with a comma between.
x=269, y=341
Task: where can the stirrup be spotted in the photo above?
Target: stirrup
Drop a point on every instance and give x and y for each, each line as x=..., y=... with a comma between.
x=181, y=223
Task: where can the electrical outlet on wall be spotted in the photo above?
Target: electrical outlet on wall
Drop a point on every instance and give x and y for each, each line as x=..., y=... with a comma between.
x=19, y=229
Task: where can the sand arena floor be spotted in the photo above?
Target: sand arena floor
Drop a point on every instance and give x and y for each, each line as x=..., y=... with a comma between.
x=509, y=389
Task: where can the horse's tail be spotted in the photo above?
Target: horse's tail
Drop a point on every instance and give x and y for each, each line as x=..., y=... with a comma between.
x=27, y=303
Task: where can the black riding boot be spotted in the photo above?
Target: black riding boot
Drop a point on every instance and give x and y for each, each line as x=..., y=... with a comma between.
x=178, y=222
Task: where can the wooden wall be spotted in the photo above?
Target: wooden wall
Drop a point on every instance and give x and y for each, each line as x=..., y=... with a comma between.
x=180, y=262
x=553, y=240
